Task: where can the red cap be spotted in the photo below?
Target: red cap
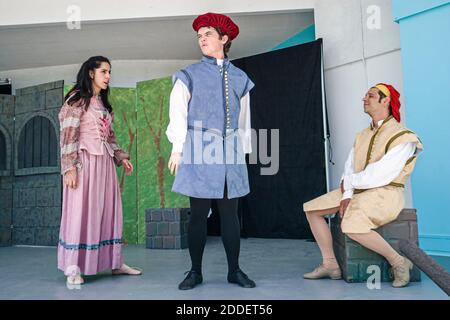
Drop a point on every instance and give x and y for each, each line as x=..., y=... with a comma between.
x=223, y=22
x=395, y=98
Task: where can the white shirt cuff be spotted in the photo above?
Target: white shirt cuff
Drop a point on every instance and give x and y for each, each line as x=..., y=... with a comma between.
x=347, y=194
x=348, y=183
x=177, y=147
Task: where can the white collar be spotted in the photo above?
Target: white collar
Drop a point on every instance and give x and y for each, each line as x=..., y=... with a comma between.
x=379, y=123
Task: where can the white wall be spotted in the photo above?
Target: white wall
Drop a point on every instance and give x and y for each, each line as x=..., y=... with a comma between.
x=124, y=73
x=28, y=12
x=355, y=58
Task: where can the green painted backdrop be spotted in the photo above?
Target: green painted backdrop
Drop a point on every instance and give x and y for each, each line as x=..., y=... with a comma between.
x=141, y=116
x=153, y=149
x=123, y=101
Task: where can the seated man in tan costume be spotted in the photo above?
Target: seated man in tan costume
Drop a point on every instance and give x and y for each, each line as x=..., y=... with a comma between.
x=372, y=187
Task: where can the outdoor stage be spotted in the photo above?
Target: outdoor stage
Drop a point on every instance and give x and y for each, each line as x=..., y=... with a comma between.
x=276, y=265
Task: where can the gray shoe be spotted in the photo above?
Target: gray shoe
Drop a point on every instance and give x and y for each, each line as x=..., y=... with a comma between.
x=401, y=273
x=322, y=272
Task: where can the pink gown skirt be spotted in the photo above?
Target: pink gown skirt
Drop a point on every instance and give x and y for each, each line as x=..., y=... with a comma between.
x=90, y=237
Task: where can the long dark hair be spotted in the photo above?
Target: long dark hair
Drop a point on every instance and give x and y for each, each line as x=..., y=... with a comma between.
x=83, y=88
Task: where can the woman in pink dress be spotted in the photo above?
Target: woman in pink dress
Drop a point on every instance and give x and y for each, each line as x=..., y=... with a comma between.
x=90, y=238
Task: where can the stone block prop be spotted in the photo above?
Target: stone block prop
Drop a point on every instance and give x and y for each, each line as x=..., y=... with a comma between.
x=167, y=228
x=357, y=263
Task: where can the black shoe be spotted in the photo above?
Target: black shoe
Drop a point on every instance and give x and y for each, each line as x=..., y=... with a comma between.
x=192, y=279
x=240, y=278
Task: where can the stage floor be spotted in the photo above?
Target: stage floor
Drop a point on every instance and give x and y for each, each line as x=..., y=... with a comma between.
x=275, y=265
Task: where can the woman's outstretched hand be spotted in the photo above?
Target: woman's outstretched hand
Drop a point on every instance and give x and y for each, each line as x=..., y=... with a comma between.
x=128, y=166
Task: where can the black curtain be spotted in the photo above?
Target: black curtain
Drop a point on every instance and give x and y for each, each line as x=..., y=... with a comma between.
x=287, y=96
x=5, y=89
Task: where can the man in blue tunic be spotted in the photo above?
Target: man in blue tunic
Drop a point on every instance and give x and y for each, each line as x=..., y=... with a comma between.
x=210, y=133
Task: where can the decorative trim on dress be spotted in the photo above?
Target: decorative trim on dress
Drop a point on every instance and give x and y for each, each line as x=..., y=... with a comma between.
x=90, y=246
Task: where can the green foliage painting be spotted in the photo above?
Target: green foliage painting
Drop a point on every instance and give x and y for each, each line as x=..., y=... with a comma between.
x=123, y=101
x=154, y=179
x=141, y=116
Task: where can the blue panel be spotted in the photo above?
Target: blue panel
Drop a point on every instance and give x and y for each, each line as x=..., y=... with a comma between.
x=405, y=8
x=307, y=35
x=426, y=63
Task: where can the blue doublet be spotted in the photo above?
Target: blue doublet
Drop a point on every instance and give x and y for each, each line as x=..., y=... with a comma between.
x=212, y=151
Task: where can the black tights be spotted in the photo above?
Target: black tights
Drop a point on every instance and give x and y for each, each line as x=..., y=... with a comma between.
x=229, y=227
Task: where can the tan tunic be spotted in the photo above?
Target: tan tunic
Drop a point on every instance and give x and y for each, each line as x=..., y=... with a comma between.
x=372, y=208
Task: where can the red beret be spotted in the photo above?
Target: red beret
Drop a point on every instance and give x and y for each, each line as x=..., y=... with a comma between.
x=225, y=24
